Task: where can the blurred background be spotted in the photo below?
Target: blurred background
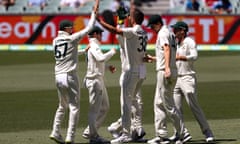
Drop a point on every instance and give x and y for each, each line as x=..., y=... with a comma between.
x=32, y=24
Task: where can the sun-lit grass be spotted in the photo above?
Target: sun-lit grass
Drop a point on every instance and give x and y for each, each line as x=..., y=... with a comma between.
x=28, y=97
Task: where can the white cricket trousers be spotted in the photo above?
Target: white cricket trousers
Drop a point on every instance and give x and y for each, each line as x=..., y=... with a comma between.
x=186, y=86
x=136, y=120
x=130, y=86
x=164, y=106
x=98, y=104
x=69, y=97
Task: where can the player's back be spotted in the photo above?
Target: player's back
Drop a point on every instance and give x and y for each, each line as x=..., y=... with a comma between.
x=65, y=52
x=135, y=46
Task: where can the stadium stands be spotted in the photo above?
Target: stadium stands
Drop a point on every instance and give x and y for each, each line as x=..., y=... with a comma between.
x=53, y=6
x=33, y=10
x=151, y=7
x=2, y=9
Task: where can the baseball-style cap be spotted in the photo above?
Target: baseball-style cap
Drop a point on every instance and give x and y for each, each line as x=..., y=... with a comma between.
x=65, y=23
x=154, y=19
x=95, y=29
x=180, y=24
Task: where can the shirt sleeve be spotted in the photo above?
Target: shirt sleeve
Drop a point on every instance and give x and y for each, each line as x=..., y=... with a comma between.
x=83, y=32
x=99, y=56
x=127, y=32
x=193, y=54
x=163, y=39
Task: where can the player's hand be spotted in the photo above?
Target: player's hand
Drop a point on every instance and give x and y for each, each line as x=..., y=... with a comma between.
x=148, y=58
x=87, y=48
x=180, y=58
x=96, y=6
x=114, y=49
x=112, y=69
x=167, y=73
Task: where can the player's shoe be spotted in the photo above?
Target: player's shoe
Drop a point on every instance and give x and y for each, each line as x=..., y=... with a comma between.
x=122, y=139
x=85, y=133
x=115, y=133
x=187, y=137
x=209, y=136
x=69, y=140
x=159, y=140
x=57, y=138
x=98, y=140
x=138, y=134
x=178, y=142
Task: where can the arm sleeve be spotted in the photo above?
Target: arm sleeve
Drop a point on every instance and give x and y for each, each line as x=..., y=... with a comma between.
x=163, y=39
x=99, y=56
x=83, y=32
x=193, y=50
x=127, y=32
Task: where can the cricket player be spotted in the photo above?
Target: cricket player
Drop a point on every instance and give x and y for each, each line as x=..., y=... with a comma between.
x=186, y=86
x=137, y=131
x=94, y=81
x=66, y=76
x=135, y=41
x=166, y=78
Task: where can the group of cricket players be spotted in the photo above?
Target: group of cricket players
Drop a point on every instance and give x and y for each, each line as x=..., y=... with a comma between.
x=175, y=54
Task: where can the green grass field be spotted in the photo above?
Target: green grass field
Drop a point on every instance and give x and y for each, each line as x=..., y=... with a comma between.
x=28, y=97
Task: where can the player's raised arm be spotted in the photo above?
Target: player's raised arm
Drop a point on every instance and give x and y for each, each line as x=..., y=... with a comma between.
x=96, y=6
x=90, y=24
x=109, y=27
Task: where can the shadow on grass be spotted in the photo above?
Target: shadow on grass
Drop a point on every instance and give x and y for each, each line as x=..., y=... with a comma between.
x=139, y=141
x=217, y=141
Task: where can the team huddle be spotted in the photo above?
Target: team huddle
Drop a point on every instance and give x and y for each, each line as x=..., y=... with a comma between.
x=175, y=53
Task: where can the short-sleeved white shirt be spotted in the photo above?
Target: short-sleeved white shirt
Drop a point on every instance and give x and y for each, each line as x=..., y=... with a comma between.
x=165, y=37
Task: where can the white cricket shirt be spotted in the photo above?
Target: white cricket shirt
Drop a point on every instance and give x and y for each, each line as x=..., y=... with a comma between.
x=165, y=37
x=97, y=59
x=66, y=48
x=187, y=48
x=135, y=42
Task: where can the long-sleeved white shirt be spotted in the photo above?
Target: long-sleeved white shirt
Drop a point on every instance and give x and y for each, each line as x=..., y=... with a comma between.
x=187, y=48
x=97, y=59
x=66, y=48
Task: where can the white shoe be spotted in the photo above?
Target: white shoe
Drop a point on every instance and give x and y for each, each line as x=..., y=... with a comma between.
x=155, y=140
x=57, y=138
x=86, y=134
x=209, y=136
x=187, y=137
x=159, y=140
x=69, y=140
x=138, y=134
x=209, y=139
x=178, y=142
x=122, y=139
x=115, y=133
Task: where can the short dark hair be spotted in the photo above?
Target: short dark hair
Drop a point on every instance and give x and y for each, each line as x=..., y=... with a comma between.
x=155, y=19
x=95, y=29
x=138, y=16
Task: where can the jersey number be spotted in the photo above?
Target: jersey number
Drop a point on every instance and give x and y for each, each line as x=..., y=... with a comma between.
x=143, y=43
x=60, y=53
